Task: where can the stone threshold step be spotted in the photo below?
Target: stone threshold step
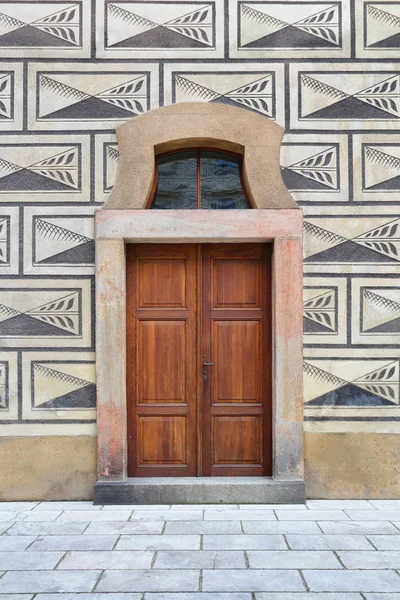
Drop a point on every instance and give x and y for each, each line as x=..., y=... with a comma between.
x=201, y=490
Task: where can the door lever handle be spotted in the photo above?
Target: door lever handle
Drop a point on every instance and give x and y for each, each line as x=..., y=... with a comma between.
x=207, y=364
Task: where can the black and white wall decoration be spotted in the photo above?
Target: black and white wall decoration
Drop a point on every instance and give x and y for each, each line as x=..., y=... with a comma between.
x=59, y=384
x=159, y=29
x=45, y=29
x=378, y=29
x=71, y=71
x=256, y=87
x=99, y=96
x=298, y=29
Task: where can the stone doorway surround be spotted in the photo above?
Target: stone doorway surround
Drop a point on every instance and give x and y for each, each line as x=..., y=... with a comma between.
x=274, y=218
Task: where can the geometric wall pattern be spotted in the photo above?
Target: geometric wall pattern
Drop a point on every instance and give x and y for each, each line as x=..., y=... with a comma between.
x=70, y=72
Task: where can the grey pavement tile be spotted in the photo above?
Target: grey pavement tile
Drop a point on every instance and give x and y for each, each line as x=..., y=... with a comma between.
x=382, y=542
x=75, y=516
x=358, y=527
x=28, y=561
x=272, y=506
x=203, y=527
x=200, y=559
x=205, y=507
x=70, y=542
x=16, y=596
x=72, y=505
x=9, y=515
x=17, y=505
x=39, y=515
x=154, y=580
x=352, y=581
x=252, y=581
x=184, y=515
x=280, y=527
x=329, y=542
x=309, y=596
x=199, y=596
x=14, y=543
x=107, y=560
x=339, y=504
x=385, y=504
x=132, y=507
x=125, y=527
x=48, y=581
x=311, y=515
x=48, y=528
x=376, y=515
x=158, y=542
x=93, y=596
x=382, y=597
x=242, y=514
x=244, y=542
x=389, y=559
x=293, y=559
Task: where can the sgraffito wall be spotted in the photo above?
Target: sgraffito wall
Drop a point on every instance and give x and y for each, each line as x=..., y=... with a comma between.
x=70, y=72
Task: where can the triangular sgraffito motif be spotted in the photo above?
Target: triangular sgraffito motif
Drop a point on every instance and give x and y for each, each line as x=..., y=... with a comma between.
x=381, y=244
x=58, y=241
x=344, y=96
x=319, y=311
x=273, y=26
x=98, y=100
x=6, y=96
x=157, y=25
x=254, y=91
x=318, y=171
x=63, y=385
x=28, y=313
x=111, y=160
x=382, y=25
x=364, y=383
x=4, y=242
x=381, y=167
x=380, y=311
x=59, y=171
x=40, y=25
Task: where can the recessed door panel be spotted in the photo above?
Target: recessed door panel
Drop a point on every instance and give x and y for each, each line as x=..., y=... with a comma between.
x=236, y=374
x=162, y=441
x=161, y=361
x=236, y=283
x=161, y=283
x=237, y=441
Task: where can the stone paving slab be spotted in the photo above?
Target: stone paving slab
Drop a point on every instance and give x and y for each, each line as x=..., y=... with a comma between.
x=107, y=560
x=154, y=580
x=308, y=596
x=282, y=527
x=68, y=542
x=360, y=527
x=203, y=559
x=368, y=560
x=48, y=581
x=124, y=527
x=244, y=542
x=329, y=542
x=252, y=581
x=93, y=596
x=158, y=542
x=352, y=581
x=203, y=527
x=43, y=528
x=26, y=561
x=383, y=542
x=199, y=596
x=297, y=559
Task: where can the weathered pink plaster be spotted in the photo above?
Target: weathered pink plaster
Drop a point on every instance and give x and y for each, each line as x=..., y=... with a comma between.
x=282, y=227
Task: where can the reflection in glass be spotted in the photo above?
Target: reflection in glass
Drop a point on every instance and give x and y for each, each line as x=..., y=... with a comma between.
x=177, y=181
x=220, y=181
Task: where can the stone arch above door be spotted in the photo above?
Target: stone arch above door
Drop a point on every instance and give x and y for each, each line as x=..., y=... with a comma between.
x=198, y=124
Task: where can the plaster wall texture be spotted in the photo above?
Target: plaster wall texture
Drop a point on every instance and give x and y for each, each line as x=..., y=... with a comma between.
x=71, y=72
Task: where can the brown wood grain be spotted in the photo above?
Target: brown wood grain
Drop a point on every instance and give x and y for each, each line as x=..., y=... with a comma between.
x=187, y=305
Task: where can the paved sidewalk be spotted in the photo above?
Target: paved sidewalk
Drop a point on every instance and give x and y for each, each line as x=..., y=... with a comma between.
x=327, y=550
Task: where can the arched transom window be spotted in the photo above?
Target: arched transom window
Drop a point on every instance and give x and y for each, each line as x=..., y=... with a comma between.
x=203, y=179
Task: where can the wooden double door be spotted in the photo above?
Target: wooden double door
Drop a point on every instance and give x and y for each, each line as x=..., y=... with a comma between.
x=199, y=360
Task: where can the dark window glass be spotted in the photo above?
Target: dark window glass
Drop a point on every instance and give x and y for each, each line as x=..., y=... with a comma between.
x=177, y=181
x=220, y=181
x=199, y=179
